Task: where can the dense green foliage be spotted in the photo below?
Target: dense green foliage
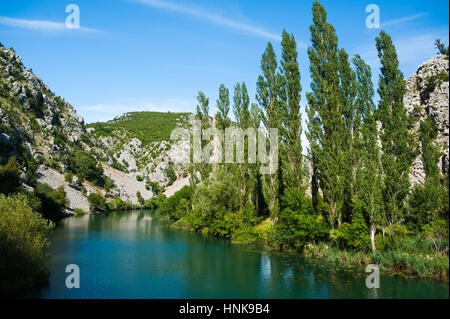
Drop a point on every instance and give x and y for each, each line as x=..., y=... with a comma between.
x=355, y=205
x=49, y=202
x=53, y=201
x=267, y=88
x=85, y=166
x=297, y=224
x=9, y=177
x=23, y=245
x=148, y=127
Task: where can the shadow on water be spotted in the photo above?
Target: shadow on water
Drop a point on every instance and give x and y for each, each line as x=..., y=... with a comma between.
x=134, y=255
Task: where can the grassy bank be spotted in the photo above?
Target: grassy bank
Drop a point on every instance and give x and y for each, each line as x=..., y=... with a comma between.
x=397, y=262
x=412, y=257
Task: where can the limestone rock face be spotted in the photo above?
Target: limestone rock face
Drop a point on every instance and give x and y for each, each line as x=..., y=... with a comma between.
x=152, y=161
x=32, y=115
x=427, y=96
x=127, y=154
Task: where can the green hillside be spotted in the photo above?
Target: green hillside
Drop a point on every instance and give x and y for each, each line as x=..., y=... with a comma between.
x=146, y=126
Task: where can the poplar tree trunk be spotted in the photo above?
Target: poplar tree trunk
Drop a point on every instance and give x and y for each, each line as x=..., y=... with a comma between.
x=372, y=237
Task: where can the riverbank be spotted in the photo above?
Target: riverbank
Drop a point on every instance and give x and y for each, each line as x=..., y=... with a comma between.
x=137, y=256
x=411, y=259
x=396, y=262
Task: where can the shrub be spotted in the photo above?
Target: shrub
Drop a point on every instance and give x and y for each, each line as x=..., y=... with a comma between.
x=354, y=235
x=171, y=174
x=118, y=204
x=155, y=202
x=9, y=177
x=85, y=166
x=79, y=211
x=97, y=202
x=437, y=233
x=140, y=198
x=53, y=201
x=23, y=245
x=295, y=230
x=154, y=186
x=68, y=177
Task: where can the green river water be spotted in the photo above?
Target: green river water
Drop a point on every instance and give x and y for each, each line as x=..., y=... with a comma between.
x=133, y=255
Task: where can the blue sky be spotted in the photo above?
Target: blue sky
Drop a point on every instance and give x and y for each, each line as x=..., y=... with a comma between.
x=134, y=55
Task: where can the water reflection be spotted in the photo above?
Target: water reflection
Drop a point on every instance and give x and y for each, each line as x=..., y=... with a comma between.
x=133, y=255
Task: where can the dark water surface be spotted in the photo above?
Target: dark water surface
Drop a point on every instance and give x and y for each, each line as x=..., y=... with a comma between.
x=133, y=255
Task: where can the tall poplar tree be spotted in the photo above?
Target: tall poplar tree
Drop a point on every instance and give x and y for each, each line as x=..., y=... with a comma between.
x=349, y=131
x=241, y=105
x=202, y=169
x=430, y=158
x=203, y=109
x=223, y=107
x=291, y=130
x=325, y=111
x=245, y=112
x=245, y=174
x=267, y=88
x=368, y=171
x=396, y=155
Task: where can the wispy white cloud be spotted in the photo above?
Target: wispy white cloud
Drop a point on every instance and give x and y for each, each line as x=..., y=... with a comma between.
x=209, y=17
x=108, y=110
x=40, y=25
x=412, y=50
x=404, y=19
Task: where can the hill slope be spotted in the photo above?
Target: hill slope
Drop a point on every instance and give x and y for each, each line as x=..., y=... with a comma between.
x=48, y=139
x=139, y=143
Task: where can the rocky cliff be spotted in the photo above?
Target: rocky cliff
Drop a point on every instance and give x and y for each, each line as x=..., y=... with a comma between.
x=36, y=125
x=428, y=97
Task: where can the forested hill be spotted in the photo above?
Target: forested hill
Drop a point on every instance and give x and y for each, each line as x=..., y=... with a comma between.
x=148, y=127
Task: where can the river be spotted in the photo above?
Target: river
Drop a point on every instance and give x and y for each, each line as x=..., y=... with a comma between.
x=134, y=255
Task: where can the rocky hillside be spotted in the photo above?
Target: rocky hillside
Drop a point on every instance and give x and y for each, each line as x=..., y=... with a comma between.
x=139, y=143
x=428, y=97
x=35, y=125
x=49, y=140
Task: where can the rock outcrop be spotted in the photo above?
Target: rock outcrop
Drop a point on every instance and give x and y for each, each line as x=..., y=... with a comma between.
x=428, y=97
x=126, y=186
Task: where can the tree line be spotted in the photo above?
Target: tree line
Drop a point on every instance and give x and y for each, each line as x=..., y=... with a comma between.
x=353, y=185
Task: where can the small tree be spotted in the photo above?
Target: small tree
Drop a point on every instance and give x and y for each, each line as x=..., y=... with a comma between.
x=9, y=177
x=141, y=200
x=97, y=202
x=441, y=47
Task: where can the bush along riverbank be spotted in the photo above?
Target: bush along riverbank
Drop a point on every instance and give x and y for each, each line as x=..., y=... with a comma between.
x=400, y=250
